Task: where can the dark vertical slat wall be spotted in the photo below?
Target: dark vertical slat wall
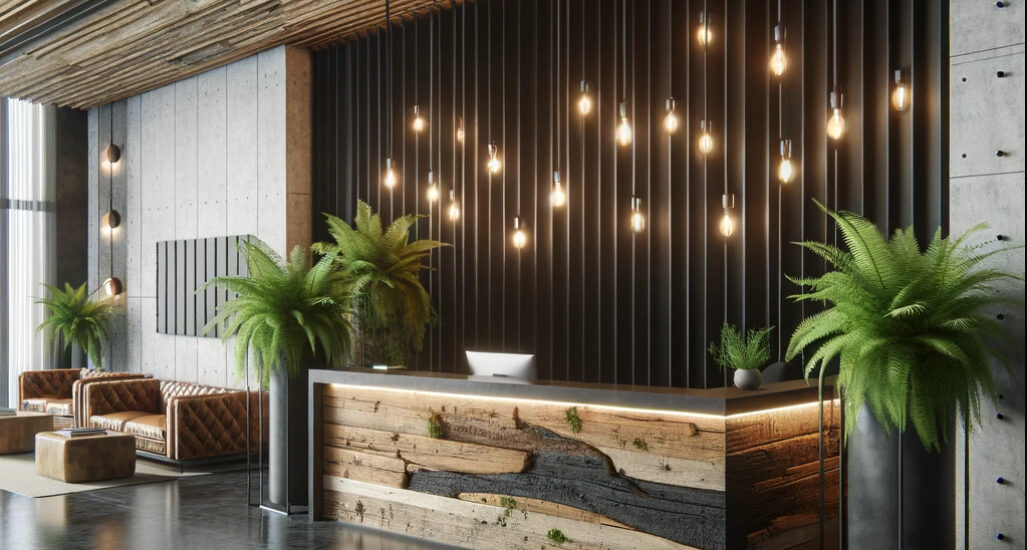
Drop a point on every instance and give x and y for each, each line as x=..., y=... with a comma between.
x=593, y=300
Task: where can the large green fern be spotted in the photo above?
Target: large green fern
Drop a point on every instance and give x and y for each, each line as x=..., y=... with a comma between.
x=383, y=271
x=76, y=317
x=284, y=312
x=908, y=328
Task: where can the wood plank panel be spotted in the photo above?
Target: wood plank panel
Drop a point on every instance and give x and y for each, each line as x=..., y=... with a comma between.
x=471, y=524
x=433, y=453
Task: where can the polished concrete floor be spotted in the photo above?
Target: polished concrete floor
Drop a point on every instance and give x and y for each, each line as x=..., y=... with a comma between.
x=205, y=512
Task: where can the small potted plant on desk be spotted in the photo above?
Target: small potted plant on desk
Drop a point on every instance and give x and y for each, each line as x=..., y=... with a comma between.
x=746, y=353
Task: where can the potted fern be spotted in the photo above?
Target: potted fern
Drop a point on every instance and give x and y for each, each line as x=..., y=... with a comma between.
x=913, y=344
x=382, y=270
x=285, y=314
x=746, y=353
x=81, y=322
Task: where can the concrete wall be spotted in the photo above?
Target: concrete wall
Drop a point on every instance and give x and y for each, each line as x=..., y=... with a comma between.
x=987, y=117
x=206, y=156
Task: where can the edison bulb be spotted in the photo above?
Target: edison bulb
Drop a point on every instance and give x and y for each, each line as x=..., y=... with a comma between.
x=389, y=180
x=460, y=135
x=557, y=197
x=585, y=104
x=418, y=123
x=454, y=211
x=494, y=165
x=727, y=225
x=705, y=143
x=900, y=97
x=520, y=237
x=785, y=171
x=836, y=124
x=624, y=132
x=705, y=36
x=637, y=221
x=778, y=61
x=433, y=193
x=670, y=122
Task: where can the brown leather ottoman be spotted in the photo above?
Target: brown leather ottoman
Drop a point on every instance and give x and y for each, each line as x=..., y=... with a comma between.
x=85, y=458
x=18, y=432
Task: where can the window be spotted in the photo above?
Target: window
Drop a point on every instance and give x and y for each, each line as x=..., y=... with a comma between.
x=27, y=246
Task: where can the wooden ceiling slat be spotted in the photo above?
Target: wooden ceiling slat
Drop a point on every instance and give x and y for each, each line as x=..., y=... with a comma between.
x=135, y=60
x=85, y=52
x=133, y=46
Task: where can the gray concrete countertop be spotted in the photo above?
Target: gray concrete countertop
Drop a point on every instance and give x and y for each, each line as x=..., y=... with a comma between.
x=717, y=401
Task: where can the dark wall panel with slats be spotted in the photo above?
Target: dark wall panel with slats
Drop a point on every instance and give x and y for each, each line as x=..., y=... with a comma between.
x=593, y=300
x=183, y=267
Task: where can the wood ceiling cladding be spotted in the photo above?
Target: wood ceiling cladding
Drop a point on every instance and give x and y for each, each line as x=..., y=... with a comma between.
x=130, y=46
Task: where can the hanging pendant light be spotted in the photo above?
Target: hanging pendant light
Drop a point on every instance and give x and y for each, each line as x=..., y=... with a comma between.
x=727, y=223
x=836, y=122
x=624, y=129
x=418, y=123
x=557, y=197
x=520, y=236
x=460, y=131
x=900, y=93
x=494, y=164
x=670, y=122
x=778, y=60
x=389, y=178
x=433, y=188
x=705, y=139
x=705, y=36
x=637, y=216
x=454, y=207
x=786, y=171
x=585, y=100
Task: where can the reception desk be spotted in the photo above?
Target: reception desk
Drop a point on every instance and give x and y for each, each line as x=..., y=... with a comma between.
x=482, y=464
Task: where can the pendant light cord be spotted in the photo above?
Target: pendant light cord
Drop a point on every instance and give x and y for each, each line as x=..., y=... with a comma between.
x=388, y=53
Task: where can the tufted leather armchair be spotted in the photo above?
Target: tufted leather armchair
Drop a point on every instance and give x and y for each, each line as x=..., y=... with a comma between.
x=59, y=391
x=177, y=420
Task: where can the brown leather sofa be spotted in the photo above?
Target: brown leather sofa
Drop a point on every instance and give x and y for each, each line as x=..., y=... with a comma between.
x=59, y=391
x=176, y=420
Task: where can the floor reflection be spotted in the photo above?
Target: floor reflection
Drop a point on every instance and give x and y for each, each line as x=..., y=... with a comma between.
x=207, y=512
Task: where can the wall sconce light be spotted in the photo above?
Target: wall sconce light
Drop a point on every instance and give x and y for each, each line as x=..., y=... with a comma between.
x=637, y=216
x=557, y=197
x=624, y=129
x=433, y=188
x=389, y=179
x=454, y=207
x=836, y=124
x=113, y=153
x=520, y=237
x=670, y=122
x=418, y=123
x=785, y=172
x=113, y=287
x=900, y=93
x=778, y=61
x=494, y=164
x=727, y=224
x=705, y=139
x=111, y=219
x=585, y=101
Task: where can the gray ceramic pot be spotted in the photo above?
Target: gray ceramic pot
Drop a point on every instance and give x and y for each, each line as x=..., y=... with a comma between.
x=748, y=379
